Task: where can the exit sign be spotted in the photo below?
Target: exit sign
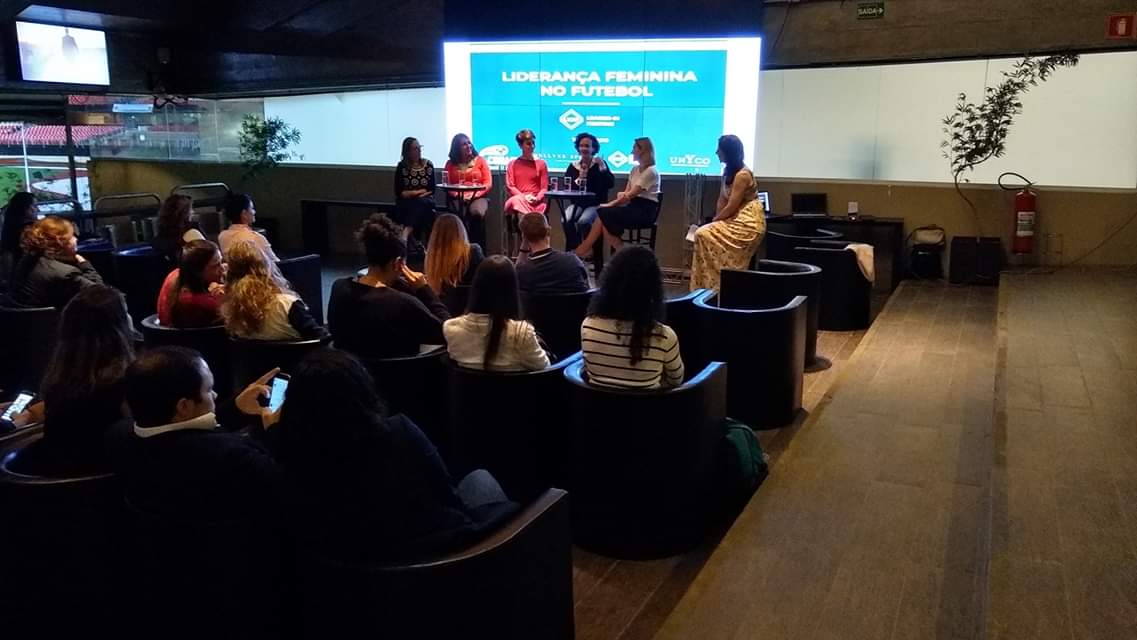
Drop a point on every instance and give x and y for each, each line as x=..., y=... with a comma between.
x=870, y=10
x=1120, y=26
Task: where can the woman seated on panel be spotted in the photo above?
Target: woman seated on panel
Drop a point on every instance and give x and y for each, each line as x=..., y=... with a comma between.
x=730, y=240
x=492, y=335
x=82, y=391
x=51, y=271
x=623, y=340
x=414, y=191
x=389, y=312
x=527, y=179
x=451, y=260
x=368, y=486
x=19, y=214
x=636, y=206
x=175, y=228
x=589, y=173
x=191, y=296
x=259, y=304
x=465, y=166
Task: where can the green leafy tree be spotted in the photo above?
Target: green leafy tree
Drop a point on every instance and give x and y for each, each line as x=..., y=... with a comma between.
x=975, y=133
x=264, y=143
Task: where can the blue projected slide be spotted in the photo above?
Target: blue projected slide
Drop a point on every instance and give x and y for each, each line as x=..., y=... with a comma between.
x=682, y=94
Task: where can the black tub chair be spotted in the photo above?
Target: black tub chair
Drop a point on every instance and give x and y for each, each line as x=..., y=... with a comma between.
x=251, y=359
x=139, y=273
x=557, y=318
x=456, y=298
x=515, y=584
x=773, y=284
x=211, y=342
x=62, y=553
x=641, y=466
x=782, y=237
x=416, y=387
x=99, y=253
x=765, y=349
x=512, y=424
x=682, y=317
x=304, y=274
x=846, y=294
x=27, y=340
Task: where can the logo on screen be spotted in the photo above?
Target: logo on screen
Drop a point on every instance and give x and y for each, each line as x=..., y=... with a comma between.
x=496, y=155
x=571, y=119
x=690, y=160
x=617, y=159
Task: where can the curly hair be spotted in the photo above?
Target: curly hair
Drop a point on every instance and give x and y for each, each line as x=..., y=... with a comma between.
x=631, y=288
x=586, y=135
x=382, y=240
x=254, y=283
x=447, y=253
x=49, y=237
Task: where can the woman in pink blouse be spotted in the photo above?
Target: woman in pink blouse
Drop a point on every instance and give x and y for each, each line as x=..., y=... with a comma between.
x=466, y=166
x=527, y=179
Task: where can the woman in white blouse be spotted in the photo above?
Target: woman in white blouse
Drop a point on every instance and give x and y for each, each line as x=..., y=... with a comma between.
x=490, y=335
x=637, y=205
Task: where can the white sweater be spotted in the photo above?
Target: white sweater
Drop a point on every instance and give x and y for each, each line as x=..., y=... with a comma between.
x=466, y=338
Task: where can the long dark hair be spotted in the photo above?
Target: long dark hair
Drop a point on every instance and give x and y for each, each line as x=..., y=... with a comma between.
x=494, y=293
x=331, y=410
x=16, y=217
x=631, y=288
x=407, y=142
x=733, y=153
x=456, y=148
x=96, y=345
x=174, y=217
x=191, y=270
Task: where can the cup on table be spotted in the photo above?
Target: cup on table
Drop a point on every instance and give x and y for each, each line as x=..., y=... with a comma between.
x=583, y=183
x=554, y=184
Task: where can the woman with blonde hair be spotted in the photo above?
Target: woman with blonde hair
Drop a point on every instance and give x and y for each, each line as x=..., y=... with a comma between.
x=450, y=258
x=636, y=206
x=51, y=271
x=259, y=303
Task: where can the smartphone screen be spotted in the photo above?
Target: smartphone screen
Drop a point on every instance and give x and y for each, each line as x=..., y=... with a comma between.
x=19, y=404
x=276, y=391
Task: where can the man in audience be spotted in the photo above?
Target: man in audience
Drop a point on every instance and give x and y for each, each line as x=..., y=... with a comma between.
x=172, y=456
x=547, y=270
x=241, y=214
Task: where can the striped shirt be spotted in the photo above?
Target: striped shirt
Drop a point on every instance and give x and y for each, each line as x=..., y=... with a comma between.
x=608, y=358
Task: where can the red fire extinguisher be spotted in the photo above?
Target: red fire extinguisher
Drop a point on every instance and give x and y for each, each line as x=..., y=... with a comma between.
x=1025, y=217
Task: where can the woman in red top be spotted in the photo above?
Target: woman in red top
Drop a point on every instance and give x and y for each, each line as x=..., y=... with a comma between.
x=466, y=166
x=191, y=296
x=527, y=179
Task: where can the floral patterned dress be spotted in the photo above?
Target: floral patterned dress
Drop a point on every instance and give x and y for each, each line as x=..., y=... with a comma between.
x=730, y=243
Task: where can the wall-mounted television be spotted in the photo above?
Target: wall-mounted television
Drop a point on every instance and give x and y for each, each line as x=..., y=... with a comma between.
x=65, y=55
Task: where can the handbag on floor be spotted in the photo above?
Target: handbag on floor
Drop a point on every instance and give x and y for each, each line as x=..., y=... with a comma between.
x=743, y=461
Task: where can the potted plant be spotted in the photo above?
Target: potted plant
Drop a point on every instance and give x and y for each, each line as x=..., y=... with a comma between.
x=264, y=143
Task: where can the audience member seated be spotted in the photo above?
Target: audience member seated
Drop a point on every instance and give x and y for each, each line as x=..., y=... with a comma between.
x=367, y=487
x=414, y=191
x=191, y=295
x=589, y=173
x=637, y=205
x=465, y=166
x=391, y=311
x=19, y=214
x=51, y=271
x=241, y=214
x=623, y=340
x=730, y=240
x=82, y=392
x=545, y=270
x=491, y=335
x=173, y=457
x=259, y=304
x=450, y=258
x=175, y=229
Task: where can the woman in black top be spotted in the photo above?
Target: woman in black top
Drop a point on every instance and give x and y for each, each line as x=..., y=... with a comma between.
x=83, y=390
x=414, y=191
x=599, y=180
x=51, y=271
x=391, y=311
x=365, y=486
x=18, y=215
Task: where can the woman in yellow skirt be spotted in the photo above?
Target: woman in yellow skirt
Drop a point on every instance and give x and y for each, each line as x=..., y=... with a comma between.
x=730, y=240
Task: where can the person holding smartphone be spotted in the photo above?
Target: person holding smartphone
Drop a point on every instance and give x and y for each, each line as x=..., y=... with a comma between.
x=390, y=311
